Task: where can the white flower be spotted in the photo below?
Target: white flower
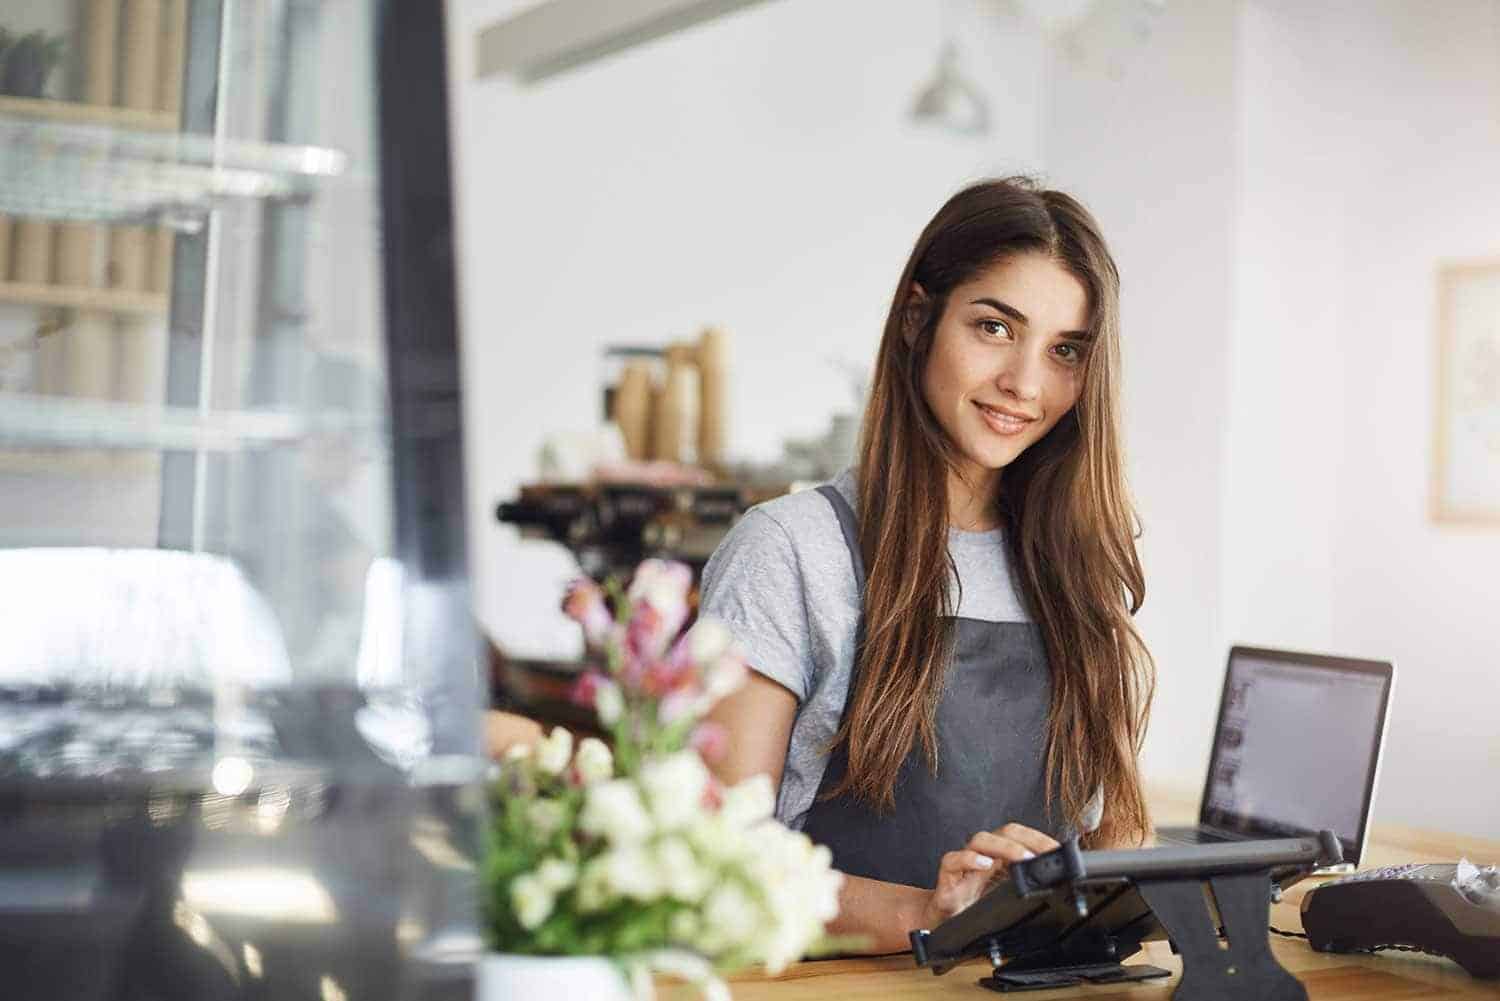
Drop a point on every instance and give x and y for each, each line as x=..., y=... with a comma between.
x=546, y=816
x=674, y=788
x=556, y=875
x=630, y=872
x=594, y=893
x=731, y=918
x=593, y=761
x=531, y=899
x=748, y=802
x=708, y=640
x=724, y=675
x=613, y=810
x=554, y=753
x=517, y=752
x=683, y=876
x=799, y=889
x=609, y=703
x=718, y=842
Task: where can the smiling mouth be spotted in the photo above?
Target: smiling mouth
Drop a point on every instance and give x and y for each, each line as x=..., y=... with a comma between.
x=1002, y=422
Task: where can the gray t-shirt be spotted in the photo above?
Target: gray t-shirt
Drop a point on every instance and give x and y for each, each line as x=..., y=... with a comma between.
x=783, y=582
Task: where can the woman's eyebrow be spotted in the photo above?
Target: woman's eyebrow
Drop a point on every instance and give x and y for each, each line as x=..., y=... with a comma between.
x=1020, y=317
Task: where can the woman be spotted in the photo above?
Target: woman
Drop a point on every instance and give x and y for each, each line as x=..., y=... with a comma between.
x=947, y=677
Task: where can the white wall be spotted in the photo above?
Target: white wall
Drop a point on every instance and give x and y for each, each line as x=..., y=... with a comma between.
x=1286, y=397
x=1427, y=188
x=1370, y=152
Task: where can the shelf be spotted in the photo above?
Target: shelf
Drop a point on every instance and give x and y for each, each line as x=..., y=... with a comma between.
x=72, y=297
x=79, y=462
x=89, y=114
x=30, y=422
x=87, y=172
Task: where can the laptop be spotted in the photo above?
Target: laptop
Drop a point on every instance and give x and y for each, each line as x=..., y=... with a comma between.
x=1297, y=750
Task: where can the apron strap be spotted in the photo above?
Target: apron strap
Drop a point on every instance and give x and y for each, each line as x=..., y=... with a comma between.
x=850, y=526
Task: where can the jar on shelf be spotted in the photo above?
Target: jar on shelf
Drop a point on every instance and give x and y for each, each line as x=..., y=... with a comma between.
x=630, y=375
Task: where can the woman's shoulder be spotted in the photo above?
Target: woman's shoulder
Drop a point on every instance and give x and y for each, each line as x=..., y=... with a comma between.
x=799, y=528
x=807, y=510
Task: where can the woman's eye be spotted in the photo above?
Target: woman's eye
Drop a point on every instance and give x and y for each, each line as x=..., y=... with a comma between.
x=1069, y=353
x=995, y=328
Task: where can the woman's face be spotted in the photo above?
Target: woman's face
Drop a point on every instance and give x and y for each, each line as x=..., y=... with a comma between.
x=1007, y=360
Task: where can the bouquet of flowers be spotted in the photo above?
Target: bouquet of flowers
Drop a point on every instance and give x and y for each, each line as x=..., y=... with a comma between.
x=640, y=854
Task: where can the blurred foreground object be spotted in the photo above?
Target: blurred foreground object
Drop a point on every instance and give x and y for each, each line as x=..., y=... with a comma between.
x=639, y=854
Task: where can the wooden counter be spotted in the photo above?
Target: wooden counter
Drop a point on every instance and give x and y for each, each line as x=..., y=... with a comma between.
x=1388, y=976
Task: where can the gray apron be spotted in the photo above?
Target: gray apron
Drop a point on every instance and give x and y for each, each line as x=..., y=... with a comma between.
x=991, y=740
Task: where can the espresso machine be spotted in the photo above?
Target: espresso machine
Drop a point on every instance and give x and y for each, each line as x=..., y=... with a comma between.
x=609, y=528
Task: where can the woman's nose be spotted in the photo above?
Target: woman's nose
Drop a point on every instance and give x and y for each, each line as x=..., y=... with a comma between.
x=1021, y=376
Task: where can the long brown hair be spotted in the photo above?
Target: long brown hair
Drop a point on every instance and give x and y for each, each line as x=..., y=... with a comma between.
x=1069, y=522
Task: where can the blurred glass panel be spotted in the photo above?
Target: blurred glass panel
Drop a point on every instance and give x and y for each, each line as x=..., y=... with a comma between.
x=221, y=736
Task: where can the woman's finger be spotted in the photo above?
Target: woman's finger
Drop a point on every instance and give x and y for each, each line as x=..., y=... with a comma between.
x=1033, y=839
x=961, y=863
x=1000, y=848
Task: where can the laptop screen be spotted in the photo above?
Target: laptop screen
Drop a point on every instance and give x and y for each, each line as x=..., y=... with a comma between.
x=1297, y=745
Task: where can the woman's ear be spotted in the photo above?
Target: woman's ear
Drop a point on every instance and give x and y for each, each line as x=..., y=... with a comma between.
x=914, y=313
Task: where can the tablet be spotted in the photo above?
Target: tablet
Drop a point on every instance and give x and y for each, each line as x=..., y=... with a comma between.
x=1071, y=907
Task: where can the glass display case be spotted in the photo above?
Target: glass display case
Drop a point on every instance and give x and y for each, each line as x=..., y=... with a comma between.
x=238, y=681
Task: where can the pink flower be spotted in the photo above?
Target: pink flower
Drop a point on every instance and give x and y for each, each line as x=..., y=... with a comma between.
x=713, y=795
x=646, y=633
x=710, y=740
x=666, y=579
x=584, y=603
x=586, y=689
x=659, y=600
x=676, y=706
x=674, y=671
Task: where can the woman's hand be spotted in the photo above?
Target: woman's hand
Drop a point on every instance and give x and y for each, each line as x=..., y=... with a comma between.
x=964, y=874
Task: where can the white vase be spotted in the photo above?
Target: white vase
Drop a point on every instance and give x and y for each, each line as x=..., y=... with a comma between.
x=505, y=977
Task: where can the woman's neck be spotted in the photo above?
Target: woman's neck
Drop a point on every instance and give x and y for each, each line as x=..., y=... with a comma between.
x=971, y=499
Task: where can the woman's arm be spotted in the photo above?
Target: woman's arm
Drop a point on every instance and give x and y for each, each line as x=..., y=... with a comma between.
x=758, y=721
x=502, y=731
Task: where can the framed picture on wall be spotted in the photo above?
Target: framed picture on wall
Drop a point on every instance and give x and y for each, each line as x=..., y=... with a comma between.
x=1466, y=467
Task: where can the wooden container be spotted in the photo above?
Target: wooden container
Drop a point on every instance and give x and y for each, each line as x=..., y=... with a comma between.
x=129, y=258
x=713, y=437
x=32, y=261
x=80, y=245
x=173, y=55
x=101, y=33
x=76, y=243
x=141, y=30
x=675, y=432
x=163, y=244
x=632, y=409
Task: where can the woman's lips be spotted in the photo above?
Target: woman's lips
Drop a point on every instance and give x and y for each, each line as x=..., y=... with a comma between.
x=1001, y=422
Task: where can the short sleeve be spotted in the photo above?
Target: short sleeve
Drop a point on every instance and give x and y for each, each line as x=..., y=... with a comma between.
x=753, y=585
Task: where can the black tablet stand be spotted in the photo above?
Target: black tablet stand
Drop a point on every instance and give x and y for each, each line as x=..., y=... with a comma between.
x=1071, y=917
